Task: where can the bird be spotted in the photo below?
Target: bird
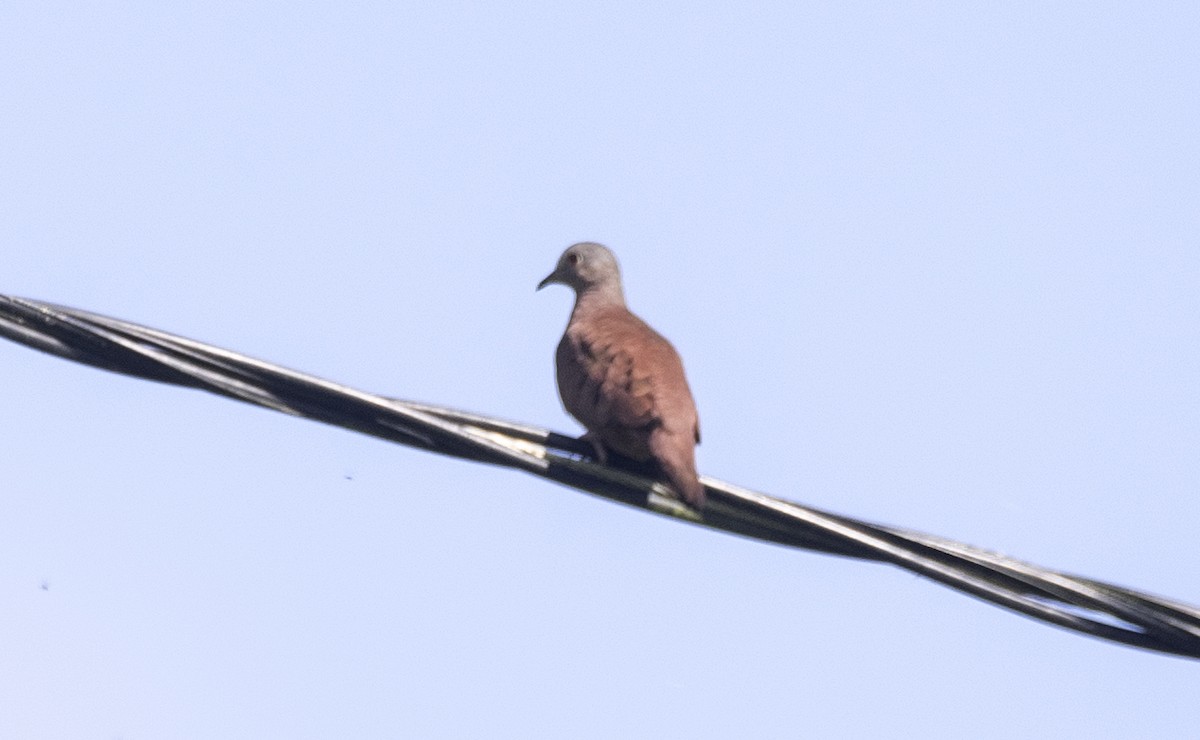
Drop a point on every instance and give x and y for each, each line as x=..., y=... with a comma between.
x=621, y=379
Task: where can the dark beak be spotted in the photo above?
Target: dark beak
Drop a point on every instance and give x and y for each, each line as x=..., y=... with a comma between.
x=551, y=278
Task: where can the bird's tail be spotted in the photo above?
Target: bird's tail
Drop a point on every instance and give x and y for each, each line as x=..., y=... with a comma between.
x=677, y=458
x=690, y=488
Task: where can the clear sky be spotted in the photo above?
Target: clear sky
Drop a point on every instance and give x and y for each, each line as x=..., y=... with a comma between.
x=928, y=264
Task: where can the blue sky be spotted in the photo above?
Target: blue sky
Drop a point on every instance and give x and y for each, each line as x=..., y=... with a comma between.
x=927, y=264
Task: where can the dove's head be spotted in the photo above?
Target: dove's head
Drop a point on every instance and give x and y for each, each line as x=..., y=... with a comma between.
x=586, y=267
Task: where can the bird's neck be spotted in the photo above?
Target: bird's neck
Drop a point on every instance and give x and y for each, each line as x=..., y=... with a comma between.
x=598, y=297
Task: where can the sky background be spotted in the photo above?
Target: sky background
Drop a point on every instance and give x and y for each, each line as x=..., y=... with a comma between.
x=929, y=264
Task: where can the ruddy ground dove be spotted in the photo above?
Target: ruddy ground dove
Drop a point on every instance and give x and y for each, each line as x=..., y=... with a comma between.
x=621, y=379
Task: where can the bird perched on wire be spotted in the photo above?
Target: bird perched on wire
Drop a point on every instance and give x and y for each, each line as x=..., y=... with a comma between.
x=621, y=379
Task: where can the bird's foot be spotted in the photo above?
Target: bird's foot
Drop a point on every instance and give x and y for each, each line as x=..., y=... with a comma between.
x=601, y=453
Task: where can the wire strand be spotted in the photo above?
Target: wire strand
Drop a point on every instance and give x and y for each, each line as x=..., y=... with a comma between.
x=1081, y=604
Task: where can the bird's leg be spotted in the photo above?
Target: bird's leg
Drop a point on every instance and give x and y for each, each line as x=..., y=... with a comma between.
x=601, y=453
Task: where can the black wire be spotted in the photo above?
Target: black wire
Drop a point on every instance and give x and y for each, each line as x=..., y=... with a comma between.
x=1080, y=604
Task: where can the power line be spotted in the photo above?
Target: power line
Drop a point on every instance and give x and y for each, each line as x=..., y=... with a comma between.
x=1072, y=602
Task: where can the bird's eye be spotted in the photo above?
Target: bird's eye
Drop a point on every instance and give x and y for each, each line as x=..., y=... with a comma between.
x=573, y=258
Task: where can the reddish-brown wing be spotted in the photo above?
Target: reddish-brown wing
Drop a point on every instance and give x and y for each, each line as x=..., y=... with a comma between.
x=625, y=383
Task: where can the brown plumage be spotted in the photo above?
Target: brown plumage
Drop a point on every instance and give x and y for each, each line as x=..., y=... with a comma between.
x=621, y=379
